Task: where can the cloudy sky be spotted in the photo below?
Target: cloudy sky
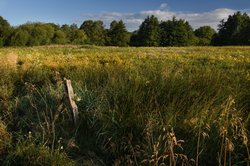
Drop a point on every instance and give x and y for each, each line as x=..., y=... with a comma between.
x=132, y=12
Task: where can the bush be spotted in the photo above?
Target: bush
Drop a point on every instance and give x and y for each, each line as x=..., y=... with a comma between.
x=30, y=154
x=5, y=138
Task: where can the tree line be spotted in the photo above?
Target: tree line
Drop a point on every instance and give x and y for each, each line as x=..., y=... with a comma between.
x=235, y=30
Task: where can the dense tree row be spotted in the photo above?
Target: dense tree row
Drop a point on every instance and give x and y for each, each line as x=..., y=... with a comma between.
x=152, y=32
x=234, y=31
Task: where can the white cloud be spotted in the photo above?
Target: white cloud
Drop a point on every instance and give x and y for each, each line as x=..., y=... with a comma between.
x=196, y=19
x=211, y=18
x=164, y=6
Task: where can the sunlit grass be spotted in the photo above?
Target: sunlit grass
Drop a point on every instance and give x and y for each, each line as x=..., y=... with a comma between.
x=130, y=101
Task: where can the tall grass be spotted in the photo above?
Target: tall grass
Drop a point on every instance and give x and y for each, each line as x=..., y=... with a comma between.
x=138, y=106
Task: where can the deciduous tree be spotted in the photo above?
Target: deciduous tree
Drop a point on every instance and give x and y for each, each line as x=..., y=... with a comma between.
x=176, y=33
x=204, y=35
x=149, y=32
x=95, y=32
x=20, y=37
x=117, y=34
x=230, y=31
x=5, y=31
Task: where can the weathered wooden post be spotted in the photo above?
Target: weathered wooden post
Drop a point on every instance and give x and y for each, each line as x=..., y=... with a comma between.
x=71, y=99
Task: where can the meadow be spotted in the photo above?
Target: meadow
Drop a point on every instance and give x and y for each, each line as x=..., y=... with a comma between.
x=137, y=106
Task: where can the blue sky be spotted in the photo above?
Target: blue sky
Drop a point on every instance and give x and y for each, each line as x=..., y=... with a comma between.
x=133, y=12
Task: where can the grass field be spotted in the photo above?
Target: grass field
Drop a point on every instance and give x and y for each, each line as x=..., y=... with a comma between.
x=137, y=106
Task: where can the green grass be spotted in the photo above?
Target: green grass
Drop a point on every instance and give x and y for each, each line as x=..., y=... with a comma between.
x=134, y=104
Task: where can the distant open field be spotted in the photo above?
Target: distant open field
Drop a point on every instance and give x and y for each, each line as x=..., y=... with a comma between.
x=137, y=106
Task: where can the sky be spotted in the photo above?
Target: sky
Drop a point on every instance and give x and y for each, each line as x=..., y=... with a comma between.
x=132, y=12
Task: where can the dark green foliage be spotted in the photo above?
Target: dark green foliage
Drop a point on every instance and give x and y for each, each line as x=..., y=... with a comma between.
x=74, y=35
x=205, y=35
x=28, y=153
x=117, y=34
x=50, y=30
x=59, y=37
x=66, y=29
x=231, y=31
x=244, y=34
x=176, y=33
x=78, y=36
x=95, y=32
x=68, y=32
x=5, y=31
x=40, y=33
x=38, y=36
x=20, y=37
x=134, y=39
x=149, y=32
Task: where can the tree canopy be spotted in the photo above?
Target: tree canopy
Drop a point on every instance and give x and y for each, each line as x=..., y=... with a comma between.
x=149, y=32
x=235, y=30
x=117, y=34
x=19, y=37
x=176, y=33
x=205, y=35
x=95, y=32
x=5, y=31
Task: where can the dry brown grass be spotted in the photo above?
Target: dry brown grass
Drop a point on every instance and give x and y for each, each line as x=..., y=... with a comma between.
x=9, y=60
x=60, y=46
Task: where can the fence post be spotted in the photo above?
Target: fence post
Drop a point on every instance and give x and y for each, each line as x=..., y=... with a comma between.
x=71, y=98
